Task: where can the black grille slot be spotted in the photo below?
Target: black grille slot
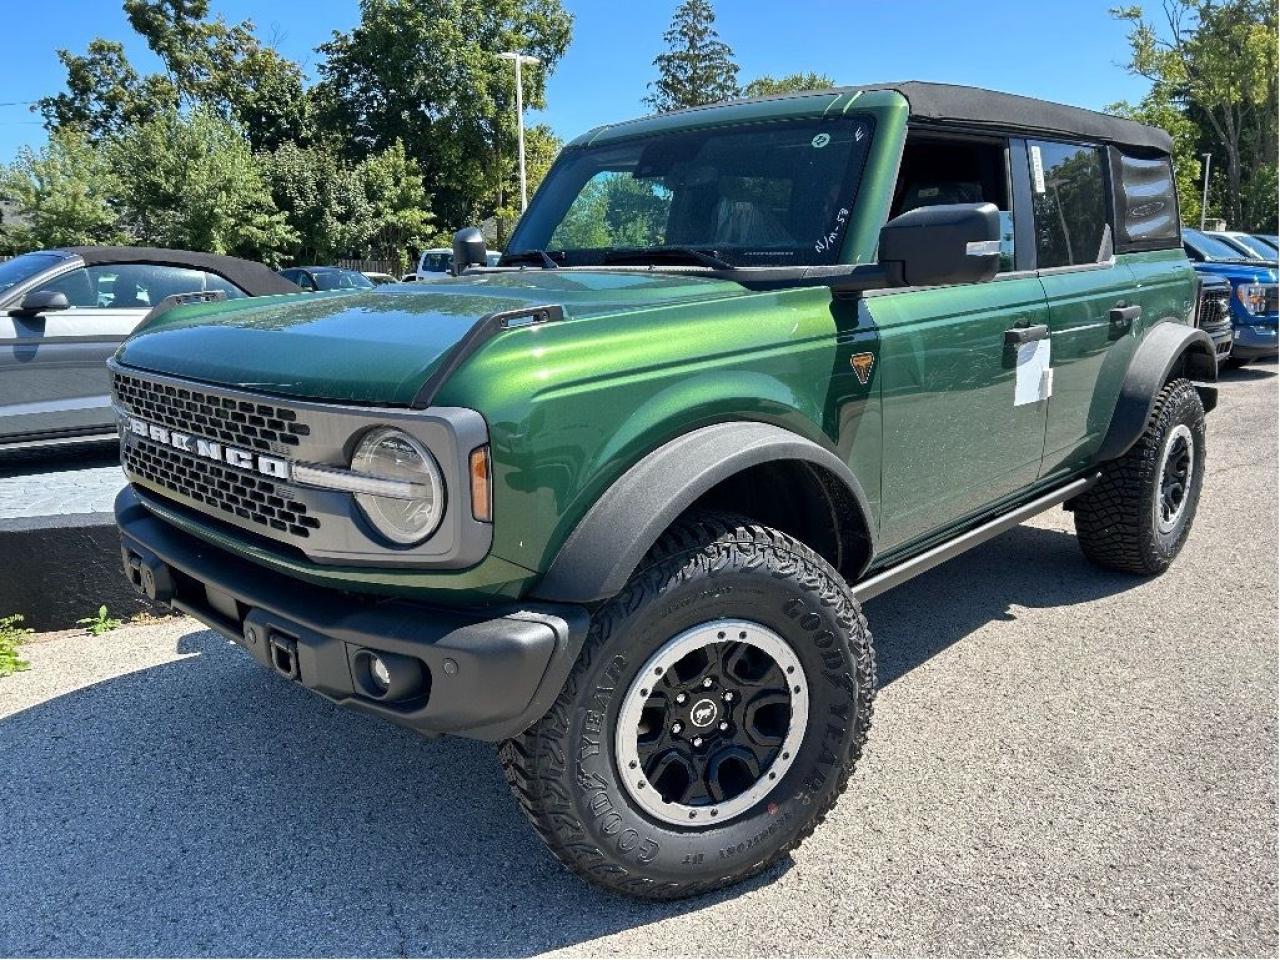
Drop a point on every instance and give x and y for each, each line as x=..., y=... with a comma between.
x=239, y=494
x=1270, y=300
x=241, y=423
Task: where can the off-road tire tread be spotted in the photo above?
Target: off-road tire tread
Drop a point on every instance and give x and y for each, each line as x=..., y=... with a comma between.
x=700, y=539
x=1111, y=527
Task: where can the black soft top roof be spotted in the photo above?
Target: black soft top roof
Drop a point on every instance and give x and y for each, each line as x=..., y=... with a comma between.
x=973, y=106
x=253, y=278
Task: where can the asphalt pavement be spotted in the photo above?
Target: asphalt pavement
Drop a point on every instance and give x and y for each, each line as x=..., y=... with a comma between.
x=1063, y=762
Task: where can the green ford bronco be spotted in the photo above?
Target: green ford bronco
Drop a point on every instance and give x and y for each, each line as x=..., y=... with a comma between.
x=614, y=503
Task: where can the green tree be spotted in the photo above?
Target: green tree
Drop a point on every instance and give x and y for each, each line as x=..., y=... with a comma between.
x=65, y=194
x=323, y=204
x=400, y=217
x=767, y=86
x=104, y=93
x=541, y=147
x=697, y=67
x=194, y=182
x=425, y=73
x=1217, y=60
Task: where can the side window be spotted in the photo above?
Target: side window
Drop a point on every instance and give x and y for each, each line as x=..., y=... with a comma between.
x=125, y=286
x=1146, y=202
x=937, y=170
x=76, y=286
x=214, y=282
x=1068, y=199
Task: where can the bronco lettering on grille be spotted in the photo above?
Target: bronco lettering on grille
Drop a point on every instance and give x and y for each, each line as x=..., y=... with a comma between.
x=276, y=467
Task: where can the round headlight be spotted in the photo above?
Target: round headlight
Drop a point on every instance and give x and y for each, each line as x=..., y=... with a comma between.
x=412, y=505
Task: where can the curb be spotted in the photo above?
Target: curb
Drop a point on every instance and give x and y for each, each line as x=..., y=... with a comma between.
x=61, y=568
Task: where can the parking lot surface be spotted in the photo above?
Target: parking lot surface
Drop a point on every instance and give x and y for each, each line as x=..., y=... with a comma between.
x=59, y=481
x=1063, y=761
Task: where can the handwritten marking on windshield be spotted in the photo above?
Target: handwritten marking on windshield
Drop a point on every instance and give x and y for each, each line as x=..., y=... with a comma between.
x=827, y=242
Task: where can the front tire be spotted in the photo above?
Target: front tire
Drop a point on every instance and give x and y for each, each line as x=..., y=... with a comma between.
x=1138, y=515
x=712, y=720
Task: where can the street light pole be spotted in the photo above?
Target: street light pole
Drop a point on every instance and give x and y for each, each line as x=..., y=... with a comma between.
x=518, y=59
x=1204, y=197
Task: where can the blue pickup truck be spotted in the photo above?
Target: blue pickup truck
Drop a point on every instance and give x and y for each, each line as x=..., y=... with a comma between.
x=1253, y=294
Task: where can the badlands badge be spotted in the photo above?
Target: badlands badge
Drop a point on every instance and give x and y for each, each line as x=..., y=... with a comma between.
x=862, y=364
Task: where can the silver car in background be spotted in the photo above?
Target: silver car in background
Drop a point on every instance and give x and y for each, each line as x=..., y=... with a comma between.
x=64, y=312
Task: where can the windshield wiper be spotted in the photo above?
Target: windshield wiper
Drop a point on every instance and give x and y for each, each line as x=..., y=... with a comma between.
x=540, y=257
x=647, y=254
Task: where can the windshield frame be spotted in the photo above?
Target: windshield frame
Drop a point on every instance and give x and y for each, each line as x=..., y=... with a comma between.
x=830, y=250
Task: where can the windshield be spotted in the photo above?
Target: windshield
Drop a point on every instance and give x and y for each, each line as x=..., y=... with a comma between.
x=341, y=280
x=15, y=271
x=1211, y=248
x=1252, y=245
x=765, y=194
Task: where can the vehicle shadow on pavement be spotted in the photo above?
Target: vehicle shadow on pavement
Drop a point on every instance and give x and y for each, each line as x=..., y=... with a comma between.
x=206, y=807
x=1026, y=567
x=22, y=463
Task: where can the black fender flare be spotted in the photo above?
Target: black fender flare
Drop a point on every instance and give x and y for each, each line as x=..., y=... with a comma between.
x=1161, y=348
x=607, y=545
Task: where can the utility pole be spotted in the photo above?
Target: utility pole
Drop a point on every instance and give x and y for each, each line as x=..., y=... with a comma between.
x=1204, y=197
x=518, y=59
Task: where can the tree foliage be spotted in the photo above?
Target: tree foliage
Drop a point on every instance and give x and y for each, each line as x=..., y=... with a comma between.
x=193, y=182
x=425, y=73
x=67, y=193
x=698, y=67
x=767, y=86
x=1216, y=61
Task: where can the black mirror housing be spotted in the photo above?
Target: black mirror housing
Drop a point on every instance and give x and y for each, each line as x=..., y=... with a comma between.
x=944, y=244
x=468, y=250
x=42, y=301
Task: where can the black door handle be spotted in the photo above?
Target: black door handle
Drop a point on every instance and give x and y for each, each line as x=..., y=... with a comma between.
x=1122, y=316
x=1026, y=334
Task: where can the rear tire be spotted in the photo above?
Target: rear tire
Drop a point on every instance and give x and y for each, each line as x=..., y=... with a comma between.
x=748, y=729
x=1138, y=515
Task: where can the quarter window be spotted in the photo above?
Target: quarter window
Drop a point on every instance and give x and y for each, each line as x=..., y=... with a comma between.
x=1068, y=198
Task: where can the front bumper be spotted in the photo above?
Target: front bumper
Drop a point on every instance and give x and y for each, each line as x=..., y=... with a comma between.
x=485, y=676
x=1255, y=342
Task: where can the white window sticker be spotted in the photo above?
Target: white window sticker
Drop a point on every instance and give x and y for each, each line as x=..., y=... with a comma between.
x=1037, y=170
x=1034, y=381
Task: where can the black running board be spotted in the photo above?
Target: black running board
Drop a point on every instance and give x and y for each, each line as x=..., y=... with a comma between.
x=900, y=573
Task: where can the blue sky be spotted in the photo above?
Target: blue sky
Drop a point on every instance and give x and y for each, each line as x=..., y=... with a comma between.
x=1069, y=50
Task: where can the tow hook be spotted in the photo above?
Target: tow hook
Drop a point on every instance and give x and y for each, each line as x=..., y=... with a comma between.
x=284, y=655
x=148, y=575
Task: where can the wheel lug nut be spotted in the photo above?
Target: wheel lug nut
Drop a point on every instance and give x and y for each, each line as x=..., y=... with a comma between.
x=677, y=727
x=728, y=695
x=706, y=682
x=681, y=698
x=723, y=726
x=697, y=741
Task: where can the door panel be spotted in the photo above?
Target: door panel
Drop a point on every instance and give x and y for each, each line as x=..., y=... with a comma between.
x=954, y=442
x=53, y=374
x=1090, y=356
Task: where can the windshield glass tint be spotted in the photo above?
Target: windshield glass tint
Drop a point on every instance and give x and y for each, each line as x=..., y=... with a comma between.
x=768, y=194
x=13, y=272
x=1211, y=248
x=342, y=280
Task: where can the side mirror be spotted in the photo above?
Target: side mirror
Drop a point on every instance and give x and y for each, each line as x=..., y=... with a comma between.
x=41, y=301
x=468, y=249
x=949, y=243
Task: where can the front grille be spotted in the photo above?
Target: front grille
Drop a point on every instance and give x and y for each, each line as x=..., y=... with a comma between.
x=242, y=423
x=1270, y=302
x=228, y=490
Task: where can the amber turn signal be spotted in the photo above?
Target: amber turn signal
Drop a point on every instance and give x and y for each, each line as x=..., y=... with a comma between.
x=481, y=487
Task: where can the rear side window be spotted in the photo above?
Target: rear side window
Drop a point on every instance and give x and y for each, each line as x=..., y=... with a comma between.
x=1068, y=199
x=125, y=286
x=1146, y=203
